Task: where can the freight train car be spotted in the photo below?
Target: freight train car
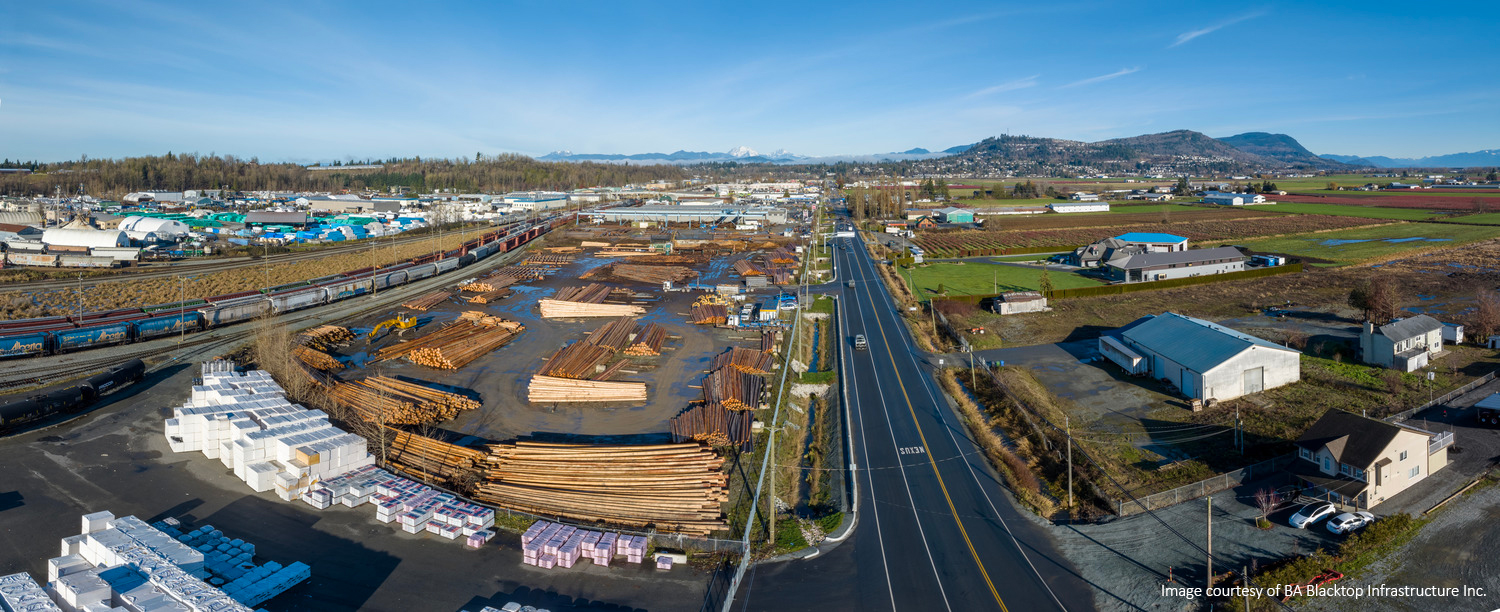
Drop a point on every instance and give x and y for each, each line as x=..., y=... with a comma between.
x=235, y=310
x=24, y=344
x=168, y=324
x=22, y=410
x=419, y=272
x=448, y=265
x=297, y=299
x=91, y=337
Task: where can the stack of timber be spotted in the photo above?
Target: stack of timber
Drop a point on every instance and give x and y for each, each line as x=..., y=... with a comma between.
x=655, y=275
x=428, y=459
x=671, y=487
x=733, y=389
x=648, y=341
x=550, y=389
x=709, y=314
x=749, y=361
x=768, y=340
x=562, y=249
x=592, y=293
x=489, y=283
x=493, y=295
x=380, y=399
x=576, y=360
x=745, y=267
x=456, y=344
x=542, y=259
x=616, y=252
x=669, y=259
x=782, y=256
x=324, y=336
x=615, y=334
x=427, y=301
x=585, y=301
x=713, y=425
x=315, y=358
x=591, y=244
x=614, y=368
x=521, y=273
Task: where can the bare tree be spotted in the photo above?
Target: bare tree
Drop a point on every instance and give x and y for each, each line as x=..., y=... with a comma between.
x=1377, y=298
x=1267, y=500
x=1486, y=318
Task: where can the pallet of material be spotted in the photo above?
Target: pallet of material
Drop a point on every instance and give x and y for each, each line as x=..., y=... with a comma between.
x=552, y=389
x=315, y=358
x=563, y=309
x=430, y=459
x=576, y=360
x=670, y=487
x=493, y=295
x=380, y=399
x=749, y=361
x=324, y=336
x=648, y=341
x=614, y=335
x=709, y=314
x=713, y=425
x=733, y=389
x=655, y=275
x=456, y=344
x=427, y=301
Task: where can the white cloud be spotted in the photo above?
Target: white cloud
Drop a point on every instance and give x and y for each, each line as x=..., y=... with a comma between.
x=1187, y=36
x=1006, y=86
x=1103, y=77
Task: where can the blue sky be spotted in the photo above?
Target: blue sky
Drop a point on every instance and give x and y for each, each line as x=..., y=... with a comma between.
x=324, y=80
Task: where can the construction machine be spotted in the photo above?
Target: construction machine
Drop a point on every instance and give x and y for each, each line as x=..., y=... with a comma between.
x=399, y=324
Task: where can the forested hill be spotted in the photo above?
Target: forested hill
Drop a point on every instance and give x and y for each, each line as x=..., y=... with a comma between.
x=116, y=177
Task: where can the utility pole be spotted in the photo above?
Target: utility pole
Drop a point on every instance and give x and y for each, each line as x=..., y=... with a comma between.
x=1245, y=573
x=1210, y=541
x=1068, y=427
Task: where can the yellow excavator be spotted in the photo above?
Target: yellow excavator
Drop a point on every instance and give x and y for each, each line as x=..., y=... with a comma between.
x=399, y=323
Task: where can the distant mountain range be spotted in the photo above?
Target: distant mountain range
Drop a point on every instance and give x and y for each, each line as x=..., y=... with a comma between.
x=1485, y=158
x=746, y=155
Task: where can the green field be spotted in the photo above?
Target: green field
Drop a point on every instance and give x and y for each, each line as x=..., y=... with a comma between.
x=1484, y=218
x=975, y=278
x=1345, y=210
x=1420, y=193
x=1368, y=243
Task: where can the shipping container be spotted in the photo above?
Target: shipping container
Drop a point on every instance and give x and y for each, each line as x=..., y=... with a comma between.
x=298, y=299
x=31, y=259
x=234, y=311
x=93, y=336
x=31, y=343
x=163, y=325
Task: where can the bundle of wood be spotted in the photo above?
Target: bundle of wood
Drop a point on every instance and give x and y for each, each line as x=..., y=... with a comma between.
x=768, y=340
x=559, y=309
x=427, y=301
x=324, y=336
x=783, y=277
x=671, y=487
x=655, y=275
x=562, y=249
x=480, y=317
x=456, y=344
x=745, y=267
x=592, y=293
x=648, y=341
x=623, y=253
x=732, y=389
x=713, y=425
x=381, y=399
x=609, y=372
x=521, y=273
x=551, y=389
x=782, y=256
x=542, y=259
x=709, y=314
x=428, y=459
x=576, y=360
x=591, y=244
x=669, y=259
x=315, y=358
x=489, y=283
x=493, y=295
x=615, y=334
x=749, y=361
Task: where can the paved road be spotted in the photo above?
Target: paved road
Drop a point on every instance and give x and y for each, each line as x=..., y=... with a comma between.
x=936, y=530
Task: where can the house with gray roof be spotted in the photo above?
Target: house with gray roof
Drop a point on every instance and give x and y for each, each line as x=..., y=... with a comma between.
x=1155, y=266
x=1359, y=461
x=1403, y=344
x=1204, y=360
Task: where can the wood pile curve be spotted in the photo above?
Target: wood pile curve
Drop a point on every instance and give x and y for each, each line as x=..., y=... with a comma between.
x=709, y=314
x=576, y=360
x=648, y=341
x=385, y=400
x=615, y=334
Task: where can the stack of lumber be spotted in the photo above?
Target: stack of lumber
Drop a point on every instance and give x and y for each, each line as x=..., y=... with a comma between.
x=456, y=344
x=555, y=309
x=615, y=334
x=576, y=360
x=381, y=399
x=671, y=487
x=709, y=314
x=489, y=283
x=592, y=293
x=768, y=340
x=745, y=267
x=713, y=425
x=480, y=317
x=590, y=244
x=749, y=361
x=648, y=341
x=782, y=277
x=542, y=259
x=623, y=253
x=609, y=372
x=669, y=259
x=315, y=358
x=427, y=301
x=493, y=295
x=655, y=275
x=562, y=249
x=782, y=256
x=551, y=389
x=428, y=459
x=324, y=336
x=520, y=273
x=732, y=389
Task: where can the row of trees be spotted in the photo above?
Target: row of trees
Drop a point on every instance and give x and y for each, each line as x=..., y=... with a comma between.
x=1380, y=301
x=177, y=172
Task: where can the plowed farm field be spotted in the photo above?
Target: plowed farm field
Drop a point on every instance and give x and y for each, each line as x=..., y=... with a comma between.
x=1446, y=201
x=1134, y=215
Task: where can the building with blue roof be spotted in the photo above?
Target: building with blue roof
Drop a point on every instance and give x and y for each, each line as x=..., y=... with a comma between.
x=1153, y=242
x=1204, y=360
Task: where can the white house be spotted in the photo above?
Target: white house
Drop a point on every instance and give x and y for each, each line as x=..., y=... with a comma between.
x=1079, y=196
x=1203, y=360
x=1079, y=207
x=1361, y=462
x=1139, y=267
x=1233, y=199
x=1403, y=345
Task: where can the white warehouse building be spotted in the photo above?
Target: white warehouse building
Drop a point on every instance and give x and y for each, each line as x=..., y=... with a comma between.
x=91, y=238
x=1204, y=360
x=160, y=227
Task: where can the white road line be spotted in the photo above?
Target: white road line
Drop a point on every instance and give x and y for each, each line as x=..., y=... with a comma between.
x=942, y=416
x=896, y=446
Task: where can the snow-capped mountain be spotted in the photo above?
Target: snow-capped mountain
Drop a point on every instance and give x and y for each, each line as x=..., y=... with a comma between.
x=743, y=151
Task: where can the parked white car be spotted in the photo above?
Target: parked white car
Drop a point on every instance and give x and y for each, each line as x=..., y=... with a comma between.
x=1310, y=514
x=1349, y=521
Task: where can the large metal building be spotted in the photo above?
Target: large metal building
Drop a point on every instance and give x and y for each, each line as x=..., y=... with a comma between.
x=89, y=238
x=160, y=227
x=1204, y=360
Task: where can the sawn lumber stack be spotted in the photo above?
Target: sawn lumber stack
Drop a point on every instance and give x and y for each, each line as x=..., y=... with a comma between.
x=544, y=389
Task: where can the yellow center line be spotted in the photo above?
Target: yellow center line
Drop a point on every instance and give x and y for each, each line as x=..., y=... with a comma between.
x=912, y=409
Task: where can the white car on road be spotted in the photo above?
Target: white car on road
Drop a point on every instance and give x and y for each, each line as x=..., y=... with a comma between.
x=1349, y=521
x=1310, y=514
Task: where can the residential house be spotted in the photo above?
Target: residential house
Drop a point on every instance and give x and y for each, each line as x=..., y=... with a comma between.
x=1404, y=345
x=1149, y=266
x=1154, y=242
x=1360, y=461
x=1017, y=302
x=1098, y=253
x=1204, y=360
x=925, y=223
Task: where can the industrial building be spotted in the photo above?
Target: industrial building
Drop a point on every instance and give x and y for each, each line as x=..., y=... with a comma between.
x=165, y=229
x=1017, y=302
x=86, y=238
x=535, y=200
x=1079, y=207
x=1203, y=360
x=1233, y=199
x=1155, y=266
x=954, y=215
x=666, y=213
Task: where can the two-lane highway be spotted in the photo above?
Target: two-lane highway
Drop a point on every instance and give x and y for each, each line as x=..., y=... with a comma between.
x=936, y=531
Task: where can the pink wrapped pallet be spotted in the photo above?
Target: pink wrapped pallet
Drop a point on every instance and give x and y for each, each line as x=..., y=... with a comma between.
x=450, y=532
x=663, y=562
x=590, y=538
x=547, y=561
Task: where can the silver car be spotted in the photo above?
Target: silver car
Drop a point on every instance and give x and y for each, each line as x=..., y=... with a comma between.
x=1349, y=521
x=1310, y=514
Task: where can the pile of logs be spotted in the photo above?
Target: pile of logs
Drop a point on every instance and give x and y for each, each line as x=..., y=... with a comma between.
x=745, y=267
x=385, y=400
x=614, y=368
x=576, y=360
x=749, y=361
x=592, y=293
x=427, y=301
x=456, y=344
x=427, y=459
x=590, y=244
x=648, y=341
x=548, y=389
x=521, y=273
x=669, y=259
x=615, y=334
x=324, y=336
x=669, y=487
x=488, y=284
x=541, y=259
x=493, y=295
x=562, y=249
x=733, y=389
x=315, y=358
x=768, y=340
x=655, y=275
x=713, y=425
x=709, y=314
x=561, y=309
x=617, y=252
x=782, y=256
